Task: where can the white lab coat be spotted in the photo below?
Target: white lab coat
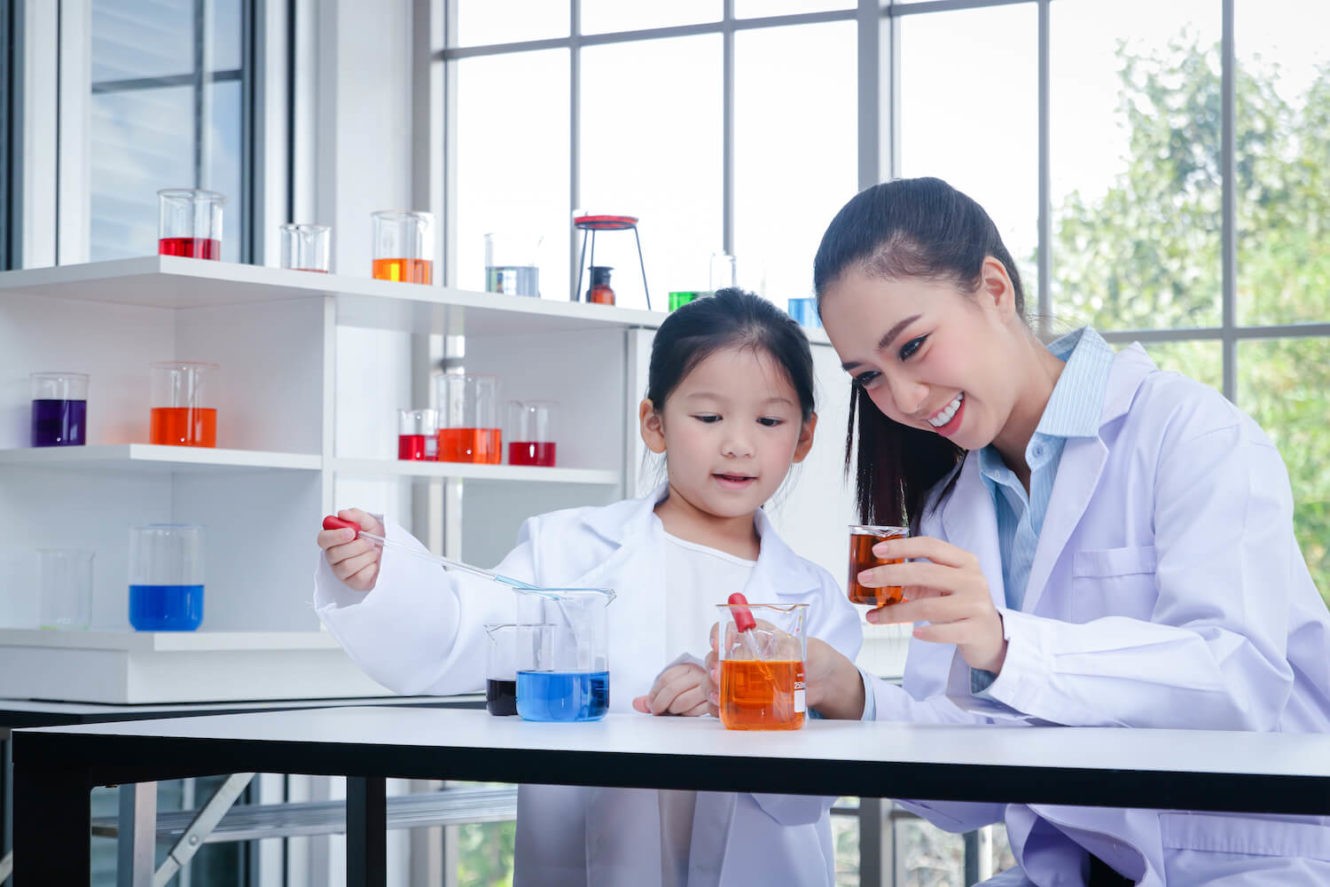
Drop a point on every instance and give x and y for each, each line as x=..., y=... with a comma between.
x=1167, y=590
x=419, y=631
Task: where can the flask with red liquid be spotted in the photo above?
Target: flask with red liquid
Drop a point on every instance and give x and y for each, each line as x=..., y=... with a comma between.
x=190, y=223
x=530, y=437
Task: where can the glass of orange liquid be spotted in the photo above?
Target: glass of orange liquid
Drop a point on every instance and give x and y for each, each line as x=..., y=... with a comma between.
x=762, y=668
x=403, y=246
x=189, y=223
x=862, y=539
x=467, y=407
x=183, y=413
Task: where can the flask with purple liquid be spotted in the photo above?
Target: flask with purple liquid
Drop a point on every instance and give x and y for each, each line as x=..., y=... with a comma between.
x=59, y=409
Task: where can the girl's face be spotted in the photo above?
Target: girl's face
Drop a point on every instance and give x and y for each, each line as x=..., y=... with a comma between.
x=730, y=429
x=928, y=354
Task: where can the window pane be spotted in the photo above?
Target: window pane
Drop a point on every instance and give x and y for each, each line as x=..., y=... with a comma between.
x=1285, y=385
x=605, y=16
x=481, y=22
x=1283, y=163
x=651, y=148
x=1202, y=361
x=223, y=23
x=969, y=114
x=1135, y=163
x=141, y=38
x=795, y=150
x=512, y=162
x=138, y=142
x=760, y=8
x=223, y=162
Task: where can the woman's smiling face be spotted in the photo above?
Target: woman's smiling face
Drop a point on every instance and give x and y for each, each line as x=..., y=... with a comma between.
x=928, y=354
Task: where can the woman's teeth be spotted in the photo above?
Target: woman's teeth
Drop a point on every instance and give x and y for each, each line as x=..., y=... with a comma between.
x=948, y=413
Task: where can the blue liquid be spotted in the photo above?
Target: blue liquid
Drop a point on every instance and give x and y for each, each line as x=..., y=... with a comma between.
x=165, y=607
x=563, y=695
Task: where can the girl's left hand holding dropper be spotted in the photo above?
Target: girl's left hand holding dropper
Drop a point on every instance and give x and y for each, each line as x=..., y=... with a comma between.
x=353, y=560
x=945, y=588
x=678, y=690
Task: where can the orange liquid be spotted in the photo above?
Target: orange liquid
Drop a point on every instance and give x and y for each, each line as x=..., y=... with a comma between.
x=765, y=695
x=405, y=270
x=183, y=426
x=861, y=558
x=482, y=445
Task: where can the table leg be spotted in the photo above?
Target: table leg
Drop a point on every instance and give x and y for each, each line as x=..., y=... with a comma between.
x=52, y=825
x=366, y=830
x=138, y=835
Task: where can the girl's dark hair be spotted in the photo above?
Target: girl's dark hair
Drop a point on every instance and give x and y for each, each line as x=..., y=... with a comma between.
x=907, y=228
x=731, y=318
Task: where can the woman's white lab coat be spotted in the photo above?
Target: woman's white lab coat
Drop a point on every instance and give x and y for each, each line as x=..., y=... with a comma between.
x=419, y=631
x=1167, y=590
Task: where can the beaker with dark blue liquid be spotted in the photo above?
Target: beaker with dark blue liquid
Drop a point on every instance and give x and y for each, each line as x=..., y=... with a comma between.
x=59, y=409
x=563, y=654
x=166, y=577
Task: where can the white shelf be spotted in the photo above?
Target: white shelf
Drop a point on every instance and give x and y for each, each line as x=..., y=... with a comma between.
x=153, y=458
x=168, y=641
x=468, y=471
x=174, y=282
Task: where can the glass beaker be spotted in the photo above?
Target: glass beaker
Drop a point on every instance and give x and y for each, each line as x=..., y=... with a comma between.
x=862, y=539
x=166, y=577
x=563, y=671
x=682, y=297
x=417, y=435
x=64, y=588
x=510, y=265
x=468, y=408
x=305, y=247
x=183, y=412
x=530, y=439
x=762, y=674
x=501, y=669
x=403, y=246
x=804, y=312
x=189, y=223
x=59, y=409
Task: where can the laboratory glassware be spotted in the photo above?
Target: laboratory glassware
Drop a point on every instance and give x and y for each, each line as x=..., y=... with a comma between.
x=804, y=312
x=183, y=411
x=306, y=247
x=166, y=577
x=510, y=264
x=64, y=588
x=332, y=522
x=190, y=223
x=403, y=246
x=501, y=669
x=59, y=409
x=679, y=298
x=761, y=650
x=417, y=432
x=468, y=407
x=563, y=654
x=862, y=539
x=530, y=433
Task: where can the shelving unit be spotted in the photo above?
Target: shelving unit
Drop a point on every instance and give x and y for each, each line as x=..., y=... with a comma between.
x=313, y=369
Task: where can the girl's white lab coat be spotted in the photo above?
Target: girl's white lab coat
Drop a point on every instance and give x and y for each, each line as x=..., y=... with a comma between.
x=1167, y=590
x=419, y=631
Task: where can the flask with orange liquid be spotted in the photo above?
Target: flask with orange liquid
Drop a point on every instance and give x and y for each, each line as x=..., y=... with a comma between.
x=862, y=539
x=761, y=654
x=183, y=412
x=403, y=246
x=467, y=407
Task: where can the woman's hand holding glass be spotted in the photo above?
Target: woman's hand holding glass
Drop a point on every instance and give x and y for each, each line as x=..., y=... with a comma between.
x=353, y=560
x=946, y=596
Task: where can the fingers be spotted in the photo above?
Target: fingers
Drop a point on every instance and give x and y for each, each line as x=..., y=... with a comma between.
x=926, y=547
x=680, y=690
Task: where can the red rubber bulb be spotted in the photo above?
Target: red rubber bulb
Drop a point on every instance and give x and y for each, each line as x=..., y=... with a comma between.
x=743, y=617
x=332, y=522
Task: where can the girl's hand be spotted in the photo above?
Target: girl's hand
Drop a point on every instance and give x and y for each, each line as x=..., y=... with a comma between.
x=944, y=587
x=354, y=561
x=678, y=690
x=832, y=683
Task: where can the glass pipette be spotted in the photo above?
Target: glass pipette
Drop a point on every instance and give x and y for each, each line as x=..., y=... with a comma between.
x=336, y=523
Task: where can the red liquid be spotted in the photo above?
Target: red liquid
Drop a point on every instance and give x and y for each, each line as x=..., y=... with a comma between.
x=405, y=270
x=183, y=426
x=190, y=247
x=862, y=558
x=529, y=452
x=761, y=695
x=481, y=445
x=411, y=447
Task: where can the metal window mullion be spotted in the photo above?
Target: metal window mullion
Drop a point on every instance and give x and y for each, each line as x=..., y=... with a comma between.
x=1045, y=236
x=250, y=242
x=727, y=130
x=574, y=139
x=200, y=38
x=1228, y=175
x=873, y=136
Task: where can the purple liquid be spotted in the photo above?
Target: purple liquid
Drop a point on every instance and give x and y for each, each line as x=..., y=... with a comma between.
x=59, y=423
x=501, y=697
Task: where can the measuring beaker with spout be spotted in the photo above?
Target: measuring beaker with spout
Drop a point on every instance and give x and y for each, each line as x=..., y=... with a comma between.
x=762, y=675
x=563, y=671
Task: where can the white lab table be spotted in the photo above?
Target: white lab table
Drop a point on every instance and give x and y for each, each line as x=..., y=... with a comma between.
x=55, y=767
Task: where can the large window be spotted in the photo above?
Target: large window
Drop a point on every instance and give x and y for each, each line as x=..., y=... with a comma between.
x=170, y=108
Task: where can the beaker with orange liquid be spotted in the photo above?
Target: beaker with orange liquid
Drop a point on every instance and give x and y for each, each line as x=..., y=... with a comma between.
x=468, y=413
x=183, y=412
x=762, y=675
x=862, y=539
x=403, y=247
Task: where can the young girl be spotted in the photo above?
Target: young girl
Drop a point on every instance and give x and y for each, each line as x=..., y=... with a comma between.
x=1096, y=542
x=730, y=404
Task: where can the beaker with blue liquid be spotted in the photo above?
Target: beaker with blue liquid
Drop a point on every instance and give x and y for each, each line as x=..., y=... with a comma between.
x=166, y=577
x=563, y=654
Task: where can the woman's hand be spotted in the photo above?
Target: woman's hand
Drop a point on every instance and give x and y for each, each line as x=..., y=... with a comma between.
x=354, y=561
x=944, y=587
x=678, y=690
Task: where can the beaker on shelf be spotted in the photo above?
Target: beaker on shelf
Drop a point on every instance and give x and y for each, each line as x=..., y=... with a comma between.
x=403, y=246
x=64, y=588
x=600, y=293
x=468, y=418
x=166, y=577
x=563, y=654
x=306, y=247
x=59, y=409
x=417, y=432
x=510, y=265
x=183, y=412
x=529, y=432
x=190, y=223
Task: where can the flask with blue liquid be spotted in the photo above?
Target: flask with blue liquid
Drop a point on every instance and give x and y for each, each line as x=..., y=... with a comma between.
x=563, y=654
x=166, y=577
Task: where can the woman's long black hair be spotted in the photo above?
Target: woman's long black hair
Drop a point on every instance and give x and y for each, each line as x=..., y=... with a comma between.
x=907, y=228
